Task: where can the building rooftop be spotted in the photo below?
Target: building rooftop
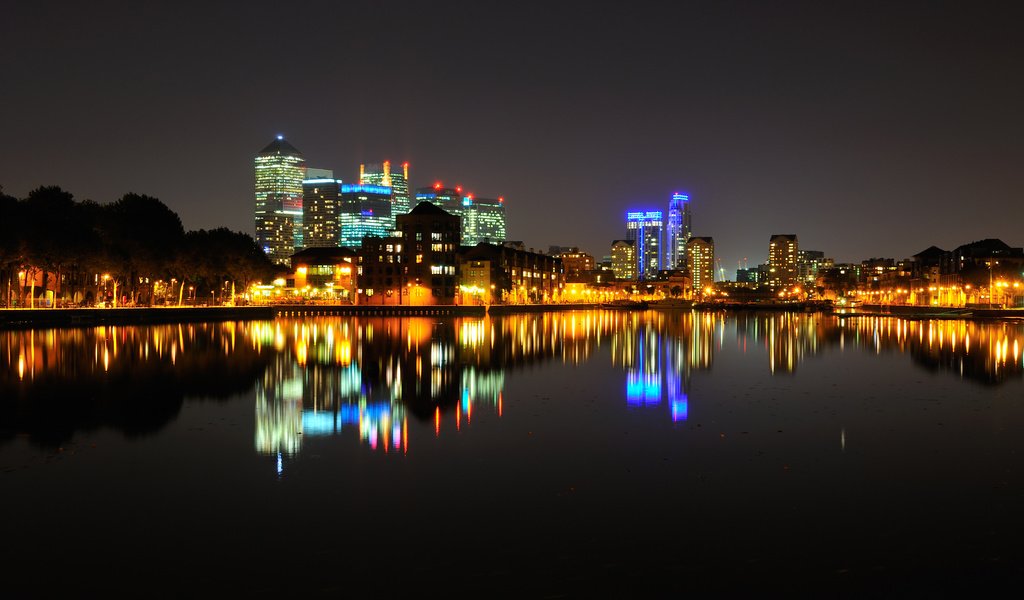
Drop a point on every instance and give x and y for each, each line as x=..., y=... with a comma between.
x=280, y=146
x=428, y=208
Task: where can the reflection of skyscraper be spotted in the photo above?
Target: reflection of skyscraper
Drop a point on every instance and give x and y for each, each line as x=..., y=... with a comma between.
x=380, y=174
x=280, y=170
x=645, y=229
x=679, y=231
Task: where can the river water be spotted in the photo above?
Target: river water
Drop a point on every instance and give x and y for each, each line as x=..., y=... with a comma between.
x=539, y=455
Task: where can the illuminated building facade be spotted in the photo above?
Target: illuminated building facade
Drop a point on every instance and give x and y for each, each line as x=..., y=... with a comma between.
x=646, y=229
x=700, y=258
x=679, y=231
x=326, y=272
x=381, y=174
x=280, y=170
x=321, y=213
x=483, y=220
x=365, y=210
x=624, y=260
x=518, y=276
x=783, y=251
x=809, y=263
x=577, y=264
x=416, y=265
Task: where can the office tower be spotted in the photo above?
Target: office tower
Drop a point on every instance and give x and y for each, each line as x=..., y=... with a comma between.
x=679, y=231
x=280, y=170
x=483, y=220
x=321, y=212
x=646, y=228
x=782, y=254
x=624, y=260
x=700, y=259
x=365, y=210
x=381, y=174
x=447, y=199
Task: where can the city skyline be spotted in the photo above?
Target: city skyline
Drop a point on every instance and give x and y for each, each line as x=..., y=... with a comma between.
x=861, y=128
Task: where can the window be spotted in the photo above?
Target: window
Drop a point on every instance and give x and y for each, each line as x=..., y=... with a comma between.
x=435, y=236
x=419, y=258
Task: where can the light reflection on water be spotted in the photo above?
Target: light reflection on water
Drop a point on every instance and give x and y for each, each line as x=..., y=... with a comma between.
x=326, y=376
x=779, y=443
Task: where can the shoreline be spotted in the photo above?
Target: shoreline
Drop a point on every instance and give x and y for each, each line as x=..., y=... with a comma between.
x=33, y=318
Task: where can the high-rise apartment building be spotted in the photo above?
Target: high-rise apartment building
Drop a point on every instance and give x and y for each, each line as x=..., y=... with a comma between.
x=783, y=251
x=623, y=260
x=646, y=229
x=700, y=259
x=365, y=210
x=809, y=263
x=678, y=231
x=280, y=169
x=321, y=212
x=381, y=174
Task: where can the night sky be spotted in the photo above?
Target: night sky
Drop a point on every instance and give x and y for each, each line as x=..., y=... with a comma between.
x=868, y=129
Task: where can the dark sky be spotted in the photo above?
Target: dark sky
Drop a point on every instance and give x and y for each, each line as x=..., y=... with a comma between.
x=868, y=129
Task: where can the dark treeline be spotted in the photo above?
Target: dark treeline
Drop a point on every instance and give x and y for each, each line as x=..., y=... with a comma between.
x=133, y=251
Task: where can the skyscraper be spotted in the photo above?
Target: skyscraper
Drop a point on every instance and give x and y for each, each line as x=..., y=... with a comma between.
x=679, y=231
x=382, y=175
x=365, y=210
x=700, y=259
x=646, y=229
x=447, y=199
x=321, y=212
x=483, y=220
x=280, y=170
x=783, y=250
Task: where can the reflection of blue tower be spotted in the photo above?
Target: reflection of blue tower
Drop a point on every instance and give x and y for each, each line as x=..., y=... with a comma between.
x=644, y=385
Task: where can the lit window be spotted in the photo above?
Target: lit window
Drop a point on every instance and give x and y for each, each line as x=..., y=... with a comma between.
x=419, y=258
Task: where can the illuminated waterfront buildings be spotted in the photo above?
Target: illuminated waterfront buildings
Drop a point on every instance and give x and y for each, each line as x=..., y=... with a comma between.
x=646, y=230
x=280, y=169
x=700, y=257
x=576, y=263
x=783, y=251
x=321, y=213
x=624, y=260
x=381, y=174
x=365, y=210
x=679, y=231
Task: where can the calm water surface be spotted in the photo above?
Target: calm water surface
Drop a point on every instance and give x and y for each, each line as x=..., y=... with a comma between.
x=536, y=455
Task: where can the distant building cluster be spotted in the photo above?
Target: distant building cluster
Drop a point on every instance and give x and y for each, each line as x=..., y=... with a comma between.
x=378, y=240
x=300, y=207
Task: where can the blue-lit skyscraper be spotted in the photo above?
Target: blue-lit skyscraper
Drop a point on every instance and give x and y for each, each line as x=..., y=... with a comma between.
x=678, y=231
x=365, y=210
x=646, y=230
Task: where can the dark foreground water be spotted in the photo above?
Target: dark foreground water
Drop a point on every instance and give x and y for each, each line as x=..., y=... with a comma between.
x=553, y=455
